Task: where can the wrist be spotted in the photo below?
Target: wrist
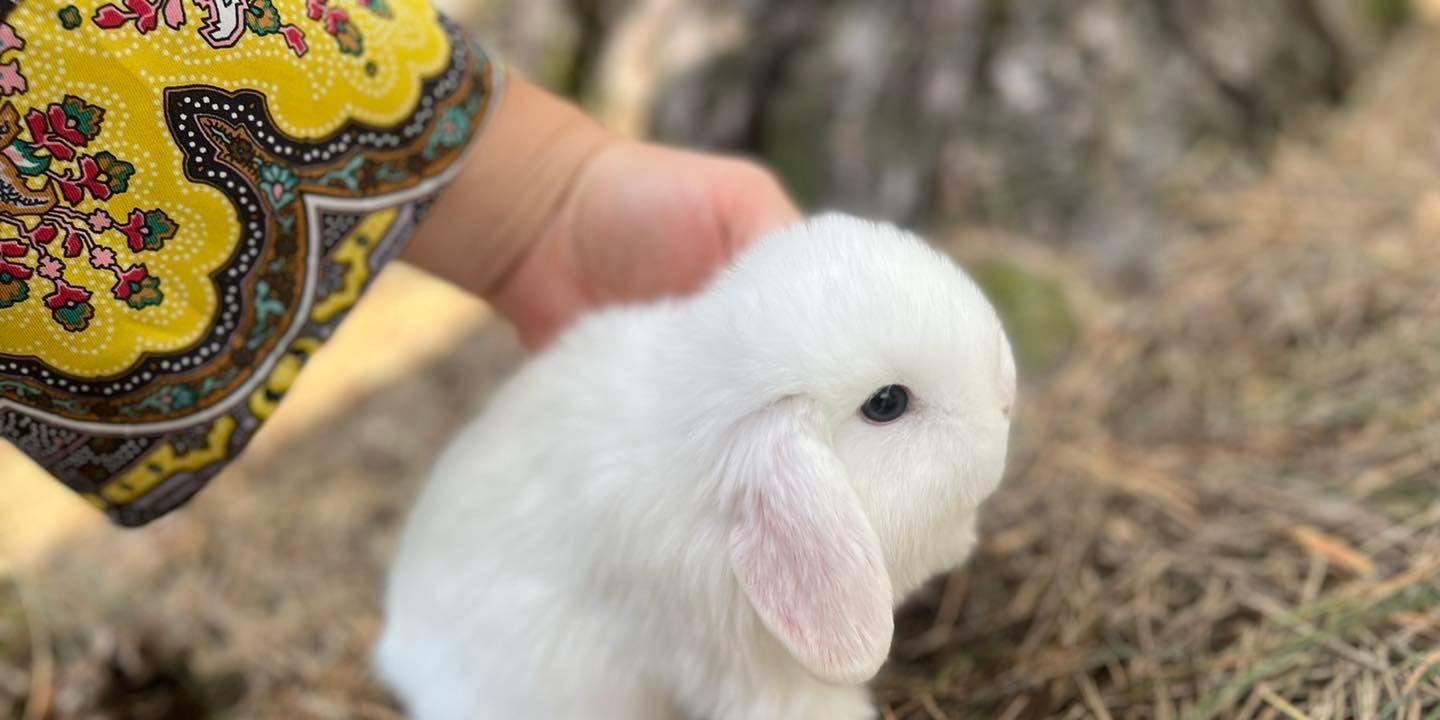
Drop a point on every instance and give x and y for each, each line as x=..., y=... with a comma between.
x=497, y=213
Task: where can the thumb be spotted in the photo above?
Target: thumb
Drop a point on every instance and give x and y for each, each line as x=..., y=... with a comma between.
x=753, y=204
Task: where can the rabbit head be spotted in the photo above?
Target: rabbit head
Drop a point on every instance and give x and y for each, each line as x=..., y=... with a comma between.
x=865, y=386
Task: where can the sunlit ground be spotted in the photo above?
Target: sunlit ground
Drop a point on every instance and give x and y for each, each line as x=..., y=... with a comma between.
x=407, y=319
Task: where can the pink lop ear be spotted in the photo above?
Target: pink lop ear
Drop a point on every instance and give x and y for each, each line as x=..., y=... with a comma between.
x=803, y=550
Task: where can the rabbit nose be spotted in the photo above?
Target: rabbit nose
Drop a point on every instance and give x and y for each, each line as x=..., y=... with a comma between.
x=1007, y=380
x=1008, y=397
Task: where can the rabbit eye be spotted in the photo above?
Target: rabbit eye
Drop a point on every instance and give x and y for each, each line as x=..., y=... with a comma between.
x=887, y=404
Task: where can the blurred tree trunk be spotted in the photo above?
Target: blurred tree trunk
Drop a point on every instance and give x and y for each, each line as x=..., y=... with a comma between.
x=1067, y=119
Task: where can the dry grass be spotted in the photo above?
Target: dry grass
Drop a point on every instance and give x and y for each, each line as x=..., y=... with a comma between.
x=1225, y=505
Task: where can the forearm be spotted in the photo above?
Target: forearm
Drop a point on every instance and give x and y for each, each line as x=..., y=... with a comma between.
x=523, y=166
x=553, y=215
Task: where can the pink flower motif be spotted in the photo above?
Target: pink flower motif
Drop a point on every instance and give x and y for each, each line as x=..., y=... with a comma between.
x=65, y=295
x=99, y=220
x=144, y=14
x=9, y=40
x=174, y=14
x=134, y=230
x=295, y=38
x=70, y=306
x=110, y=17
x=147, y=16
x=123, y=278
x=102, y=257
x=74, y=244
x=334, y=19
x=43, y=234
x=73, y=186
x=55, y=132
x=18, y=272
x=11, y=81
x=50, y=268
x=13, y=249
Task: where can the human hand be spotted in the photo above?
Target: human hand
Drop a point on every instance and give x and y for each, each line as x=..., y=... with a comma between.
x=553, y=215
x=642, y=221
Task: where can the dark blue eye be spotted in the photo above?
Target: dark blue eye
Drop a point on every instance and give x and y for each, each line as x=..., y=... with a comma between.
x=887, y=404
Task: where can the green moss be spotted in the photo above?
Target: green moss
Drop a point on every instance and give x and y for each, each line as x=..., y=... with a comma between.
x=1036, y=313
x=1389, y=15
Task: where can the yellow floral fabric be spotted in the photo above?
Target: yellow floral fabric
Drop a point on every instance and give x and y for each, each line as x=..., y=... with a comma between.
x=193, y=193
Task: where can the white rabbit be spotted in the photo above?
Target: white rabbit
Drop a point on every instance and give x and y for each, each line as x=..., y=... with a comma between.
x=708, y=507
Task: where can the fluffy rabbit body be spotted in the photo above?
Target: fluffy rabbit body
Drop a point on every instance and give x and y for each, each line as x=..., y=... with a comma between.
x=686, y=509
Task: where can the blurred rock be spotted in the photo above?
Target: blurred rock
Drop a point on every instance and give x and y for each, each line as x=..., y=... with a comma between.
x=1066, y=120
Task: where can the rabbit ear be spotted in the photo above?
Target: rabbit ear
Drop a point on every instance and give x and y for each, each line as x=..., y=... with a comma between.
x=806, y=555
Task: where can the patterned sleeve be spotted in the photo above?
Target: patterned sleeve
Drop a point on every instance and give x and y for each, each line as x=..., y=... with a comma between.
x=193, y=194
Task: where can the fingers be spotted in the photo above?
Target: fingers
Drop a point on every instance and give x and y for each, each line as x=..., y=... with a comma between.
x=754, y=203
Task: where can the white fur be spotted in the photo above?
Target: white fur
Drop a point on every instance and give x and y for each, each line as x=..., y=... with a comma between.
x=678, y=510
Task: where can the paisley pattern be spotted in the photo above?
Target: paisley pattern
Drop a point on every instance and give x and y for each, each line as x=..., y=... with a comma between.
x=172, y=250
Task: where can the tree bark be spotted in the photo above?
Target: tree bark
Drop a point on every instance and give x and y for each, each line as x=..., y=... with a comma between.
x=1067, y=119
